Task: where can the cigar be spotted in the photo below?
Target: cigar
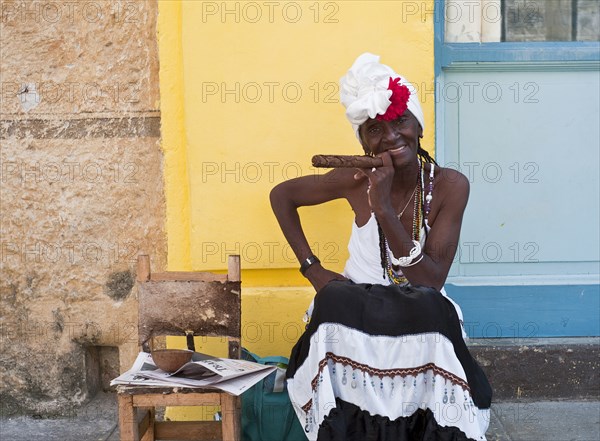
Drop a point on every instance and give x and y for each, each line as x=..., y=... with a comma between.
x=346, y=161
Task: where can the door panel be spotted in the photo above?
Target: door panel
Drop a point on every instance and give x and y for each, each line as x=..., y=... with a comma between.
x=528, y=142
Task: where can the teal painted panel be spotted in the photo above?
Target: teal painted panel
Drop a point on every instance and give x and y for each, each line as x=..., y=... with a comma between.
x=529, y=311
x=529, y=142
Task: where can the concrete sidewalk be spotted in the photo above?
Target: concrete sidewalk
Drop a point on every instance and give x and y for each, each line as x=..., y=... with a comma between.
x=510, y=421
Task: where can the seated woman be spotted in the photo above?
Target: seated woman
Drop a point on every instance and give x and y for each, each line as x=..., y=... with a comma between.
x=383, y=356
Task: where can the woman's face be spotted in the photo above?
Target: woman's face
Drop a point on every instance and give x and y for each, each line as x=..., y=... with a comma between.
x=400, y=137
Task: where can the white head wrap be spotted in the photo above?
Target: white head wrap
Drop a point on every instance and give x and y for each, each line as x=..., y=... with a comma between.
x=365, y=94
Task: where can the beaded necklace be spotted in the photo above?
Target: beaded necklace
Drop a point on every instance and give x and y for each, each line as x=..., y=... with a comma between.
x=429, y=196
x=394, y=274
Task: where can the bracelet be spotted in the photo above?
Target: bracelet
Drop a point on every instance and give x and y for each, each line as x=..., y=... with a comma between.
x=407, y=261
x=310, y=261
x=416, y=261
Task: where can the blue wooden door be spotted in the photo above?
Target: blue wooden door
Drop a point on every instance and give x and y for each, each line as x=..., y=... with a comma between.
x=521, y=121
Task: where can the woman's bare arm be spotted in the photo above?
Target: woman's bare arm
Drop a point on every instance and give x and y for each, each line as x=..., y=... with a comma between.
x=288, y=196
x=452, y=192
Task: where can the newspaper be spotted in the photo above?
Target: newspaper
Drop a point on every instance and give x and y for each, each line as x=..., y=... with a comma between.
x=226, y=374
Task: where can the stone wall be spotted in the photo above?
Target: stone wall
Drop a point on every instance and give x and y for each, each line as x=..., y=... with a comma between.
x=81, y=194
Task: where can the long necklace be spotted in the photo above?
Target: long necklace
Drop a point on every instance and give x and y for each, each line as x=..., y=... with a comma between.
x=396, y=276
x=408, y=202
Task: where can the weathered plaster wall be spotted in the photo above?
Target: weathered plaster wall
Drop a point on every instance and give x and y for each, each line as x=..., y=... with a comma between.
x=81, y=193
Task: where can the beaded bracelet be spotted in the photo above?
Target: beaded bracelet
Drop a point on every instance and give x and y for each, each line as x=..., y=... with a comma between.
x=407, y=261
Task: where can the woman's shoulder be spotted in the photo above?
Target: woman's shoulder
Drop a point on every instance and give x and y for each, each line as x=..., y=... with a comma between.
x=450, y=191
x=450, y=194
x=448, y=179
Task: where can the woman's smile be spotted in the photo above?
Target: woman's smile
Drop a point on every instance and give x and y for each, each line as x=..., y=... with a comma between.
x=397, y=149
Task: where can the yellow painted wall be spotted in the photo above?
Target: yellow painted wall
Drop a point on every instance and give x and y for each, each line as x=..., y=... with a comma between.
x=173, y=136
x=249, y=92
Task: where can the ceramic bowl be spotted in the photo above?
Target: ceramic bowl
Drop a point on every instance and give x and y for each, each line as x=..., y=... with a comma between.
x=169, y=360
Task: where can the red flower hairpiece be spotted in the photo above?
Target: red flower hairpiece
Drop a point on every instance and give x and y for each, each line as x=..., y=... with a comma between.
x=399, y=101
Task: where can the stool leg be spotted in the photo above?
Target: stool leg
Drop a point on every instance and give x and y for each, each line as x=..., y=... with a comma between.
x=127, y=418
x=149, y=433
x=230, y=425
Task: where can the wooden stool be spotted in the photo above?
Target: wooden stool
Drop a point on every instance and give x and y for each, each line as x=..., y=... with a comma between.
x=191, y=304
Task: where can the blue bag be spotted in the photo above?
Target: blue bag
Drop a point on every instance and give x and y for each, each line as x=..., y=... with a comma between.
x=267, y=412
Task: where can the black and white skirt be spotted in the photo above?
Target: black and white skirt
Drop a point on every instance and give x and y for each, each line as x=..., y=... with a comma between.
x=386, y=363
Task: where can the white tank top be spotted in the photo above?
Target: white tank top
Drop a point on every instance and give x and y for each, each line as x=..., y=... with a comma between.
x=364, y=263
